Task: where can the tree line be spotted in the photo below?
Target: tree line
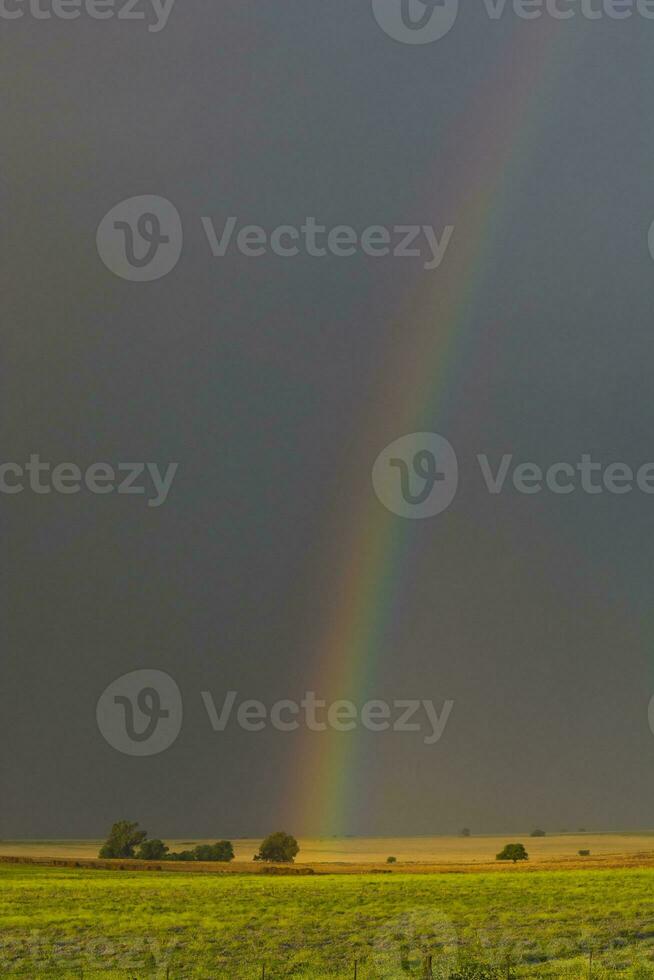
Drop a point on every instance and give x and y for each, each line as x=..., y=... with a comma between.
x=127, y=840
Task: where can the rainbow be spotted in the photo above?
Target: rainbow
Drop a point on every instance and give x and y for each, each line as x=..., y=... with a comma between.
x=489, y=148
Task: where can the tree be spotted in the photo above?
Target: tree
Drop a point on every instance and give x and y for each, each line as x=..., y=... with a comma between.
x=123, y=838
x=538, y=833
x=513, y=852
x=391, y=860
x=279, y=847
x=152, y=850
x=181, y=856
x=222, y=850
x=465, y=832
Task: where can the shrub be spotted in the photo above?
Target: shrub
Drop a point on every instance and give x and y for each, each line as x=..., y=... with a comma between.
x=465, y=832
x=538, y=833
x=513, y=852
x=220, y=851
x=279, y=847
x=391, y=860
x=152, y=850
x=583, y=854
x=223, y=851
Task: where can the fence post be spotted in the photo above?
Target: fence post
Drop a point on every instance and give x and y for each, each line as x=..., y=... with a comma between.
x=590, y=964
x=427, y=970
x=356, y=969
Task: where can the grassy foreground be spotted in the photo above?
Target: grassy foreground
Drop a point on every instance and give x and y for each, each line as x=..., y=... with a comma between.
x=72, y=923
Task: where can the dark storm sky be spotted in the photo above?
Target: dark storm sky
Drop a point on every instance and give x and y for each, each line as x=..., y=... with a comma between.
x=533, y=614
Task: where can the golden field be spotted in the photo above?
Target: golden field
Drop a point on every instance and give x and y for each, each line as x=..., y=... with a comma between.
x=420, y=854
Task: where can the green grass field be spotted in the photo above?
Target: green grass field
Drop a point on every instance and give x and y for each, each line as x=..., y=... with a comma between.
x=73, y=923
